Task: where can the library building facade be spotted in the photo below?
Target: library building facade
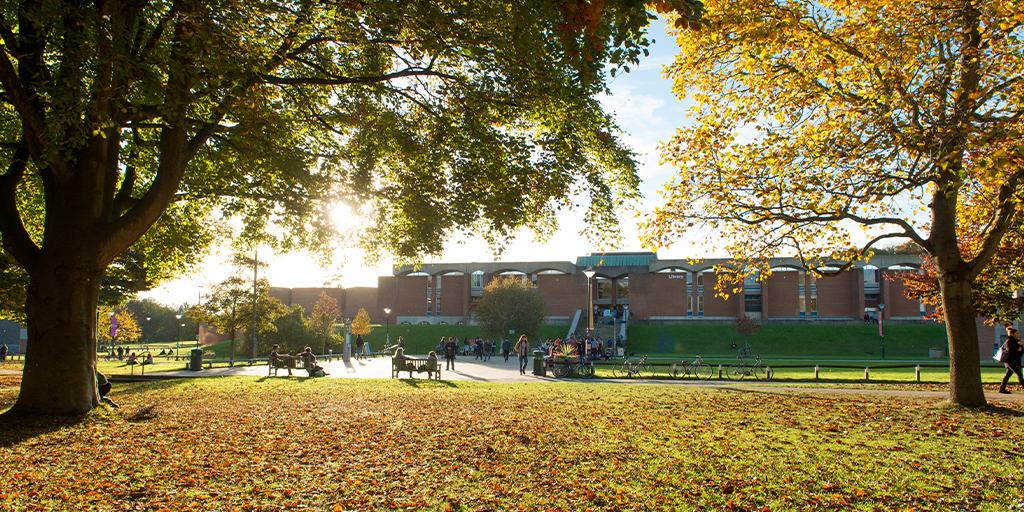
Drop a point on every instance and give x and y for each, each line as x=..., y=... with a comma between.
x=650, y=290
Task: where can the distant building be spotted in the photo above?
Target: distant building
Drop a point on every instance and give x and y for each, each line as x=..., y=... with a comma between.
x=652, y=290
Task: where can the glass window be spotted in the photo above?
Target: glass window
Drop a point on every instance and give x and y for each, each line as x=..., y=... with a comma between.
x=814, y=304
x=689, y=278
x=623, y=289
x=689, y=304
x=700, y=279
x=800, y=302
x=604, y=289
x=700, y=303
x=477, y=279
x=870, y=275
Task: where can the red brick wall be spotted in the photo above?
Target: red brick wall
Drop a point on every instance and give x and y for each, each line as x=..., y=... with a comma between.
x=563, y=294
x=641, y=286
x=780, y=293
x=717, y=306
x=361, y=297
x=411, y=296
x=282, y=294
x=896, y=302
x=666, y=295
x=454, y=295
x=841, y=296
x=308, y=297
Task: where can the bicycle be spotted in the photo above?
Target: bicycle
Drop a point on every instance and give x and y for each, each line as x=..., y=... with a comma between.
x=639, y=369
x=582, y=367
x=759, y=371
x=745, y=350
x=698, y=368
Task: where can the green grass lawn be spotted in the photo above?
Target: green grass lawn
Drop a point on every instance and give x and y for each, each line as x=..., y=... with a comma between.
x=858, y=342
x=332, y=444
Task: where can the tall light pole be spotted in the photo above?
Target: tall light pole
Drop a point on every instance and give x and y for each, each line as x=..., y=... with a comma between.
x=589, y=272
x=148, y=338
x=199, y=304
x=880, y=308
x=387, y=326
x=177, y=337
x=255, y=301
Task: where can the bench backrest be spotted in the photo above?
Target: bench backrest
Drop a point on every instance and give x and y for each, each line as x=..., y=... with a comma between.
x=414, y=364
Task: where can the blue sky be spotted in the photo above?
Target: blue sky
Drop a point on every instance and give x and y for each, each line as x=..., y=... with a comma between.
x=646, y=111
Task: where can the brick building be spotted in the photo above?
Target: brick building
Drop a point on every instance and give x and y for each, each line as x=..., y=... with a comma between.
x=652, y=290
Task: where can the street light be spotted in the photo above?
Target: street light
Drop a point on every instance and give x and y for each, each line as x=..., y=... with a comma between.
x=880, y=308
x=148, y=337
x=589, y=272
x=177, y=338
x=387, y=325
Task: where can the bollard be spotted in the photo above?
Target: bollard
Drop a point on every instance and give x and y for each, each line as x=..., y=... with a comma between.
x=917, y=373
x=815, y=372
x=866, y=376
x=719, y=371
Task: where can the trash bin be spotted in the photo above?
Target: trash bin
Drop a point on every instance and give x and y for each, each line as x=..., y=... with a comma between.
x=538, y=363
x=195, y=362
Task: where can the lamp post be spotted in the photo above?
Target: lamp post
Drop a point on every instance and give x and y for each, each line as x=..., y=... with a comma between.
x=589, y=272
x=387, y=325
x=113, y=328
x=177, y=337
x=880, y=308
x=148, y=338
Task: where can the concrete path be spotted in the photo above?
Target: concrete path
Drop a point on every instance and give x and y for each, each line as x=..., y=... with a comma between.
x=497, y=370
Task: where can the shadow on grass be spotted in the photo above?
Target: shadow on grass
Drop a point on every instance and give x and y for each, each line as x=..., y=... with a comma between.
x=17, y=428
x=418, y=383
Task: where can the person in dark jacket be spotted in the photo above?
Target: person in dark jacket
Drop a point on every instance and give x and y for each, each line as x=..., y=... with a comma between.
x=506, y=348
x=449, y=353
x=1013, y=347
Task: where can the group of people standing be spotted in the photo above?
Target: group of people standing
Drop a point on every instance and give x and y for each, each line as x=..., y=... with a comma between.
x=483, y=349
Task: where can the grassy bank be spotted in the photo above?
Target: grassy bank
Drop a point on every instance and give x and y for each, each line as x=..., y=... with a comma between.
x=337, y=445
x=776, y=341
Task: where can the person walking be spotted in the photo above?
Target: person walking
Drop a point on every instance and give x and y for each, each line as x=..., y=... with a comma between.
x=523, y=351
x=359, y=346
x=1014, y=349
x=3, y=352
x=506, y=348
x=449, y=353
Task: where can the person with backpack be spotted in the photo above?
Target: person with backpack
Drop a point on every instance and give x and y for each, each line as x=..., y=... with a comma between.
x=506, y=348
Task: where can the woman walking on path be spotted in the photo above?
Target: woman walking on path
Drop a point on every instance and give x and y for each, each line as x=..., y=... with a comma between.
x=523, y=351
x=1013, y=348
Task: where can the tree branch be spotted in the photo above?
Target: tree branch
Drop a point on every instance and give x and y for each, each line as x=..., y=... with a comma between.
x=32, y=120
x=16, y=240
x=341, y=80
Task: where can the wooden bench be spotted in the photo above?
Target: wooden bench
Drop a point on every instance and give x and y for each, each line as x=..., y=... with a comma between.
x=287, y=363
x=412, y=364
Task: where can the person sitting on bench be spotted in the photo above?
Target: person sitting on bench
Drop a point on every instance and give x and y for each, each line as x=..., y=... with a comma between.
x=103, y=386
x=310, y=360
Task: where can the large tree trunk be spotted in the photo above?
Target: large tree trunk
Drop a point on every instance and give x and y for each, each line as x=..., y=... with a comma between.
x=965, y=387
x=61, y=313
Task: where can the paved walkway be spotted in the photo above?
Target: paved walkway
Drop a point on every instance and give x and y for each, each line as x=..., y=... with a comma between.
x=497, y=370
